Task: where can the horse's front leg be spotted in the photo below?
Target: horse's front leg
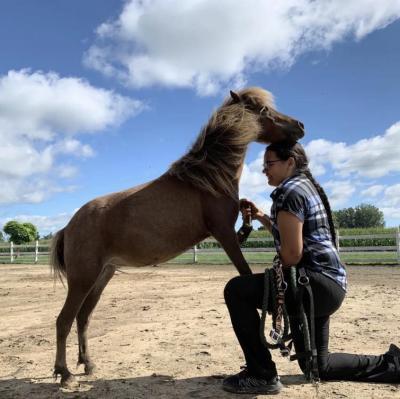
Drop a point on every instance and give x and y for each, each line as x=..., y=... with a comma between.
x=228, y=239
x=220, y=217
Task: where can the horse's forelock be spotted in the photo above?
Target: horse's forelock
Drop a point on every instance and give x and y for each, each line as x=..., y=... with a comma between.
x=254, y=97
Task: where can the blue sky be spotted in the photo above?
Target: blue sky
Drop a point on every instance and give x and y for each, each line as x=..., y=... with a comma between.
x=100, y=95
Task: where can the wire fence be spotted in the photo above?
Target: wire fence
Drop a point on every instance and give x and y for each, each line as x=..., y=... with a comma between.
x=353, y=249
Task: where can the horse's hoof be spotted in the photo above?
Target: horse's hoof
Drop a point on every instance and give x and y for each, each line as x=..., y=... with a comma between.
x=69, y=381
x=90, y=368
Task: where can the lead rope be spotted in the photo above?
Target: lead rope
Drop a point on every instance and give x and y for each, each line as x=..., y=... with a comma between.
x=275, y=287
x=274, y=292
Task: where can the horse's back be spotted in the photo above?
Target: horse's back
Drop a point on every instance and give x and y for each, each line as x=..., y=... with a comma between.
x=147, y=224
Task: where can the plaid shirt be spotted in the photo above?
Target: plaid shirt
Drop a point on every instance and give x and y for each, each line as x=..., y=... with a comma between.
x=298, y=196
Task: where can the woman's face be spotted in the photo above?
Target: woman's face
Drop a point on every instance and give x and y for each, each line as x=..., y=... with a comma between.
x=276, y=169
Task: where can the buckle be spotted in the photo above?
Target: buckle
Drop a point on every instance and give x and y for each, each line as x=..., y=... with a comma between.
x=285, y=352
x=303, y=278
x=275, y=336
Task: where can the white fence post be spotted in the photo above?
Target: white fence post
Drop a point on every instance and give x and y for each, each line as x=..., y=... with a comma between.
x=195, y=254
x=36, y=251
x=398, y=244
x=12, y=251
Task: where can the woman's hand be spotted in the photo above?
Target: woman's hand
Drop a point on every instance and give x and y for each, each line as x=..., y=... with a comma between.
x=248, y=208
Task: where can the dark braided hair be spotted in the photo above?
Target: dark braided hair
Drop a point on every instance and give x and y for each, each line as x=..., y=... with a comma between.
x=284, y=151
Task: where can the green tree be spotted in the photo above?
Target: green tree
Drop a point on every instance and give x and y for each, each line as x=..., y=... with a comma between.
x=20, y=233
x=1, y=236
x=368, y=216
x=345, y=218
x=363, y=215
x=31, y=228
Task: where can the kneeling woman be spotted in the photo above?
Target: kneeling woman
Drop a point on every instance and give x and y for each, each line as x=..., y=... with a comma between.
x=302, y=226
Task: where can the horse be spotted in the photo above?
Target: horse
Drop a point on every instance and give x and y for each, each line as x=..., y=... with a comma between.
x=149, y=224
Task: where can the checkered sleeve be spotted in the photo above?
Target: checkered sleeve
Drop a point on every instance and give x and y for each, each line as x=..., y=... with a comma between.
x=293, y=202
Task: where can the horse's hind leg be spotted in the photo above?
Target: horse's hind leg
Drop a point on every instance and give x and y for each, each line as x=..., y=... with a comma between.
x=83, y=317
x=77, y=291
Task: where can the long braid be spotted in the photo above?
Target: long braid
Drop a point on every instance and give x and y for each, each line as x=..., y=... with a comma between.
x=325, y=201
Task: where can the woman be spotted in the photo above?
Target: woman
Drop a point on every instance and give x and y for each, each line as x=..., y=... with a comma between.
x=302, y=226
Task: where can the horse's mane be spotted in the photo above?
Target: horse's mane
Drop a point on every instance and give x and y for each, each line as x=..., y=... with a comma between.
x=214, y=159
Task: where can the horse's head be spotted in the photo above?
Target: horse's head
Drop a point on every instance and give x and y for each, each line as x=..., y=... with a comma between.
x=275, y=126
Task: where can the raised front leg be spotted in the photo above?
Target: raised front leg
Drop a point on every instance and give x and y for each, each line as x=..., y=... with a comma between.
x=220, y=215
x=229, y=241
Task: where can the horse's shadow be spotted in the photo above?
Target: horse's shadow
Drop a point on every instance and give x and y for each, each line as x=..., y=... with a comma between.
x=148, y=387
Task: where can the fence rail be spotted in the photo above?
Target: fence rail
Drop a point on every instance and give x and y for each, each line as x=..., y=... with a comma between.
x=39, y=253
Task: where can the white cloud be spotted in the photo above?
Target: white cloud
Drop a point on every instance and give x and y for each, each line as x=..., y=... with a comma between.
x=373, y=191
x=34, y=189
x=206, y=43
x=339, y=192
x=53, y=104
x=67, y=171
x=369, y=158
x=392, y=196
x=391, y=213
x=41, y=114
x=44, y=224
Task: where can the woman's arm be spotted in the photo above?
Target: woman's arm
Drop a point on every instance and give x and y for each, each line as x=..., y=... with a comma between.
x=265, y=221
x=248, y=208
x=291, y=234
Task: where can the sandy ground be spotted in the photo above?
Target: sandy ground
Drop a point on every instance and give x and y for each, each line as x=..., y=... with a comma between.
x=164, y=332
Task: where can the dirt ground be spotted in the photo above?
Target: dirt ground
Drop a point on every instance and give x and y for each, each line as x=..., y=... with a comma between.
x=164, y=332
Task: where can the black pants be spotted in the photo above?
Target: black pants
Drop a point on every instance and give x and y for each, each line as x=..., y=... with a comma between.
x=244, y=295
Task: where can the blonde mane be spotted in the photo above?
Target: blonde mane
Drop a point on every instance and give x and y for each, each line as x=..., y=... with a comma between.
x=214, y=159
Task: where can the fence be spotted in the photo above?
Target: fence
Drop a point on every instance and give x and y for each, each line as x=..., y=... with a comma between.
x=38, y=252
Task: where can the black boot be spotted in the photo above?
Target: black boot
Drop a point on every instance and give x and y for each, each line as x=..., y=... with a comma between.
x=244, y=382
x=392, y=357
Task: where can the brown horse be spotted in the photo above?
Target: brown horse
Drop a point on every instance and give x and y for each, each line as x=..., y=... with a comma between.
x=152, y=223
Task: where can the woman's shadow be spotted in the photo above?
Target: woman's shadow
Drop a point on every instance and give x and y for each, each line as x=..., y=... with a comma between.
x=148, y=387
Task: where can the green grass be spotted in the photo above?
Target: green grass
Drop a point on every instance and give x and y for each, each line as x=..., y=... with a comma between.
x=370, y=258
x=251, y=257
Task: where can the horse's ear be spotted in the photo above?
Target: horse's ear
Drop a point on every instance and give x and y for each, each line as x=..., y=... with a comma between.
x=235, y=97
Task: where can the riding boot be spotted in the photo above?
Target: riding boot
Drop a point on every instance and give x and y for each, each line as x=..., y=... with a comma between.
x=392, y=357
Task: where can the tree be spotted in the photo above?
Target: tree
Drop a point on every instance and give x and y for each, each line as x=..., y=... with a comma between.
x=345, y=218
x=368, y=216
x=20, y=233
x=32, y=230
x=48, y=236
x=1, y=236
x=363, y=215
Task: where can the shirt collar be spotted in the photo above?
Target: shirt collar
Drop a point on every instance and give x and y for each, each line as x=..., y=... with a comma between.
x=277, y=190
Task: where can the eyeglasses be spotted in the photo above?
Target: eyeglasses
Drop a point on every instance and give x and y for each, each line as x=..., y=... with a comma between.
x=268, y=164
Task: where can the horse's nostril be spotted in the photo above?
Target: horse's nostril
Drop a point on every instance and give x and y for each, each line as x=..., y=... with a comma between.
x=300, y=125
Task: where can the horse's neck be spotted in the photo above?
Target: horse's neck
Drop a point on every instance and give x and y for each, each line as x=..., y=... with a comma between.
x=240, y=170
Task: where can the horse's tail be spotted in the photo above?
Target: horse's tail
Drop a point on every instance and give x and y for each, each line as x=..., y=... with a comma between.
x=57, y=263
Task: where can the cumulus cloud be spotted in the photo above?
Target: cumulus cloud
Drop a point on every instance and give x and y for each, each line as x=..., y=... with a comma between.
x=390, y=203
x=34, y=190
x=392, y=196
x=205, y=43
x=372, y=191
x=369, y=158
x=41, y=115
x=44, y=224
x=340, y=191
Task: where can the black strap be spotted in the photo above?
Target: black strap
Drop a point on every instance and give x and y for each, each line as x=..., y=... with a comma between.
x=308, y=330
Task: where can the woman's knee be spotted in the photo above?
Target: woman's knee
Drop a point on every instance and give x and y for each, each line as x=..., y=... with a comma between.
x=232, y=288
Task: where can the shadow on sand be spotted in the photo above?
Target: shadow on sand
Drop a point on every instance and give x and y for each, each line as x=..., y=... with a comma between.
x=155, y=387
